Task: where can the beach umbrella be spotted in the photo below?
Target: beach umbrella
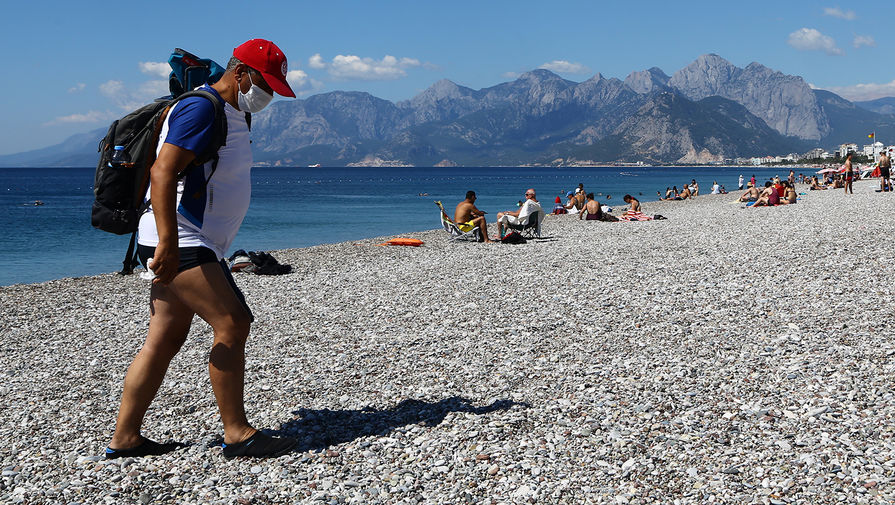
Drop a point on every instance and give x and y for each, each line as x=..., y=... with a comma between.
x=826, y=171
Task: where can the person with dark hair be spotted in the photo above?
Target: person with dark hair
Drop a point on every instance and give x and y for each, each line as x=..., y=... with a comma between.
x=633, y=202
x=885, y=166
x=467, y=216
x=768, y=197
x=789, y=194
x=849, y=175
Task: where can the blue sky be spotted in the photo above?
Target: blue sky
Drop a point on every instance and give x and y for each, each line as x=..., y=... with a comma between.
x=74, y=66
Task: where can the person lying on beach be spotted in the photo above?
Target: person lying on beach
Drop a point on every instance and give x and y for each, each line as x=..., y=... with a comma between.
x=750, y=195
x=769, y=197
x=633, y=202
x=789, y=194
x=528, y=207
x=466, y=215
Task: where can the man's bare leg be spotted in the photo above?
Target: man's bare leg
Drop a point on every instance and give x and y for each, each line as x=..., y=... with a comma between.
x=169, y=323
x=203, y=290
x=483, y=225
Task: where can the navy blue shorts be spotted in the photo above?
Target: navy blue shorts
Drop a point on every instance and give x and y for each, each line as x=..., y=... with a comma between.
x=191, y=257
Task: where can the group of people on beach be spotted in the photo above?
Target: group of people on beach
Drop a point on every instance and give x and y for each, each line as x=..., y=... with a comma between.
x=468, y=216
x=688, y=191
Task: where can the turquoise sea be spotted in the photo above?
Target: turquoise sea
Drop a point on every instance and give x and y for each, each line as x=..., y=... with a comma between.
x=299, y=207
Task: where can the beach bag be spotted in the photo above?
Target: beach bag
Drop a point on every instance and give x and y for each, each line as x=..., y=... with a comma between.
x=127, y=151
x=513, y=238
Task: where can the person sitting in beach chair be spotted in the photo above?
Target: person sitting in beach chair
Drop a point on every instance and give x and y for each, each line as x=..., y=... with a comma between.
x=466, y=215
x=458, y=233
x=519, y=217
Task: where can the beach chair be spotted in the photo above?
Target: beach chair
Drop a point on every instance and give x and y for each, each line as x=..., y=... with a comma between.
x=457, y=232
x=530, y=227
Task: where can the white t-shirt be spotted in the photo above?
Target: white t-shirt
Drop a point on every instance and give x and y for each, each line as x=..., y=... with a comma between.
x=210, y=217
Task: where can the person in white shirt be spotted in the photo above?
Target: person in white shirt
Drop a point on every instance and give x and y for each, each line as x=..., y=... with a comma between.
x=529, y=206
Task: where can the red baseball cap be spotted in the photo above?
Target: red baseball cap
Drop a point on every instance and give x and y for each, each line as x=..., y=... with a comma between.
x=265, y=57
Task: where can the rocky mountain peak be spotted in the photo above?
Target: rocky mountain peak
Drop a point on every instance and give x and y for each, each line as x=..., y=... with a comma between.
x=646, y=81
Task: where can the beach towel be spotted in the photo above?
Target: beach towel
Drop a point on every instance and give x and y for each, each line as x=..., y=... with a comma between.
x=631, y=215
x=412, y=242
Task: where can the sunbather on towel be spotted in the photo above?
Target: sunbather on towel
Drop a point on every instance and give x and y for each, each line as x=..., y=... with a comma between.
x=750, y=195
x=768, y=197
x=633, y=202
x=467, y=216
x=789, y=194
x=528, y=207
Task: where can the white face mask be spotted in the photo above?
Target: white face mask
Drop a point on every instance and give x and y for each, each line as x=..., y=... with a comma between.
x=255, y=100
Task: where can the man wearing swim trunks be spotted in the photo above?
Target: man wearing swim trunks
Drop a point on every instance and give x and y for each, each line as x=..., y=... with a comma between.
x=466, y=214
x=849, y=174
x=885, y=166
x=183, y=238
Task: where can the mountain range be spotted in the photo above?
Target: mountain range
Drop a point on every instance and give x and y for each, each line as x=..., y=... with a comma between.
x=708, y=111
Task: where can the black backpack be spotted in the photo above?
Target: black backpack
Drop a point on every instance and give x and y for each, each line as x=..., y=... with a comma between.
x=120, y=187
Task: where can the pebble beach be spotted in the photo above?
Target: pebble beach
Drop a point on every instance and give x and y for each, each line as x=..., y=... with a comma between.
x=724, y=355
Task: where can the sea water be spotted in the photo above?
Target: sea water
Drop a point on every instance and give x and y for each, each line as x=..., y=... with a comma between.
x=299, y=207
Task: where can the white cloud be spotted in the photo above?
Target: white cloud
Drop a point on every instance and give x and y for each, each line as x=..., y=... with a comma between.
x=92, y=116
x=111, y=89
x=863, y=40
x=77, y=87
x=367, y=69
x=809, y=39
x=301, y=83
x=836, y=12
x=510, y=75
x=156, y=68
x=861, y=92
x=564, y=67
x=128, y=98
x=316, y=61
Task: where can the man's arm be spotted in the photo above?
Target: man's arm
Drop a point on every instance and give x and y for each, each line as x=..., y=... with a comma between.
x=163, y=193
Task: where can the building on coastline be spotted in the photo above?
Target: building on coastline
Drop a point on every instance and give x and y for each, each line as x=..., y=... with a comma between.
x=846, y=149
x=817, y=153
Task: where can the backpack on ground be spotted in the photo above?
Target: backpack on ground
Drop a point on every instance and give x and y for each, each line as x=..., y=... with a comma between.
x=514, y=237
x=127, y=151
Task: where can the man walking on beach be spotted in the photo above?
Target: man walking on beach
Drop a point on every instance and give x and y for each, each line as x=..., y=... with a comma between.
x=885, y=167
x=182, y=239
x=466, y=214
x=741, y=182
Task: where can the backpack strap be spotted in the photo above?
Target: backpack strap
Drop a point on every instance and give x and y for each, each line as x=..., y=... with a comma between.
x=218, y=140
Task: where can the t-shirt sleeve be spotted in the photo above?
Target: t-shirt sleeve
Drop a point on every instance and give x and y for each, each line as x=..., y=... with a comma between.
x=191, y=124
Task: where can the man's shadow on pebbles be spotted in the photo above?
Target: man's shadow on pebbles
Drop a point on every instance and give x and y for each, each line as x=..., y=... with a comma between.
x=318, y=429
